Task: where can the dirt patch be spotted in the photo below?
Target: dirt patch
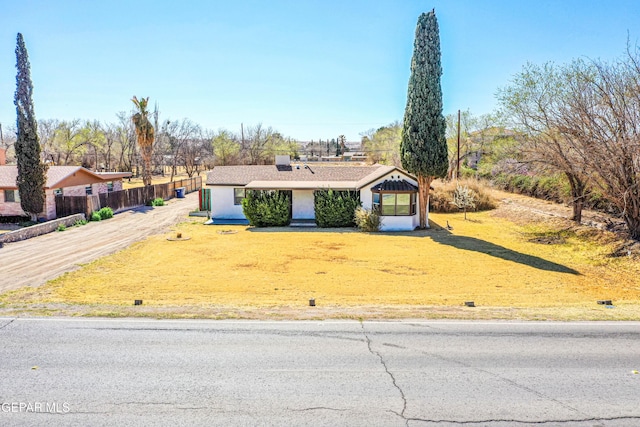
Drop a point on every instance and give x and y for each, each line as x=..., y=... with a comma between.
x=548, y=240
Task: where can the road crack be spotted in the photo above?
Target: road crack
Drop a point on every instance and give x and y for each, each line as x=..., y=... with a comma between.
x=8, y=323
x=393, y=378
x=512, y=383
x=527, y=422
x=320, y=408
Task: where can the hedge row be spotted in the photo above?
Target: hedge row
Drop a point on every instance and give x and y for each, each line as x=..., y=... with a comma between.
x=267, y=208
x=336, y=208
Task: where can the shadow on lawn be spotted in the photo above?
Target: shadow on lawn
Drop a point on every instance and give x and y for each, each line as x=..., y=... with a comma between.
x=443, y=236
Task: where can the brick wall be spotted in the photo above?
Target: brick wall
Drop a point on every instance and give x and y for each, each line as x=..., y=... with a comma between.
x=9, y=208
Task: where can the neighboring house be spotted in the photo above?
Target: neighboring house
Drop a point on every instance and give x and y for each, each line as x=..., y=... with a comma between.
x=65, y=180
x=391, y=191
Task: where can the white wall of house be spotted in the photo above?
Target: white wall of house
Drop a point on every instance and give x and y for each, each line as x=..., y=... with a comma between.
x=303, y=205
x=392, y=223
x=222, y=203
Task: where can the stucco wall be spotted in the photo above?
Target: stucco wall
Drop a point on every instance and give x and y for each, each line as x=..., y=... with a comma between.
x=222, y=204
x=393, y=223
x=303, y=205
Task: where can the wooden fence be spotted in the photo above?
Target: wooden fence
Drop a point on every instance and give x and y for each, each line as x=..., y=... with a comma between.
x=118, y=200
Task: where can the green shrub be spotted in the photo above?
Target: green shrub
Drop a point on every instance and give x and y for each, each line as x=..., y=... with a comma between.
x=367, y=220
x=158, y=201
x=80, y=222
x=105, y=213
x=335, y=208
x=95, y=216
x=61, y=227
x=269, y=208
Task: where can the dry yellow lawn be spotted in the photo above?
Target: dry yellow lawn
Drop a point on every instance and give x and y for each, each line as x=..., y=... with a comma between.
x=487, y=259
x=155, y=179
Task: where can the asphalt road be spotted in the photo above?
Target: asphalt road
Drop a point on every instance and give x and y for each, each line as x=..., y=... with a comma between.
x=153, y=372
x=34, y=261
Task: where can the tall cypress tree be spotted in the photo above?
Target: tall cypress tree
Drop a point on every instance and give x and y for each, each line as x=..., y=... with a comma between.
x=423, y=148
x=31, y=170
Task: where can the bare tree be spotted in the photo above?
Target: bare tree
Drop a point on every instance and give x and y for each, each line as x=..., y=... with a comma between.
x=258, y=139
x=179, y=134
x=383, y=145
x=70, y=145
x=226, y=148
x=46, y=134
x=535, y=103
x=601, y=115
x=584, y=120
x=126, y=143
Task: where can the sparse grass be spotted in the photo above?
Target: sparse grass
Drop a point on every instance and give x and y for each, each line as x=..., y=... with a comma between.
x=155, y=179
x=533, y=271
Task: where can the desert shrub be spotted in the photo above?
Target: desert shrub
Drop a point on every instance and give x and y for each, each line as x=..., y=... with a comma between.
x=335, y=208
x=367, y=220
x=270, y=208
x=105, y=213
x=464, y=198
x=95, y=216
x=441, y=197
x=158, y=201
x=61, y=227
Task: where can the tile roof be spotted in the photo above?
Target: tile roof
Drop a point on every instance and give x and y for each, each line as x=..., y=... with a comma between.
x=243, y=175
x=8, y=176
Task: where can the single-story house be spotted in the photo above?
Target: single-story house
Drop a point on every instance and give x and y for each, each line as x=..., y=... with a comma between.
x=392, y=191
x=64, y=180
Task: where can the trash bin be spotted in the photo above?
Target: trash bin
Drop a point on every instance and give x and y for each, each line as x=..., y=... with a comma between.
x=180, y=192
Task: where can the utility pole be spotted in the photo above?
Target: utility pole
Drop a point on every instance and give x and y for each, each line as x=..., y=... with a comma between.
x=458, y=168
x=242, y=133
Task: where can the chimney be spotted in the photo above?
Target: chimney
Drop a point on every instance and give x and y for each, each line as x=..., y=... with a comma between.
x=3, y=156
x=283, y=160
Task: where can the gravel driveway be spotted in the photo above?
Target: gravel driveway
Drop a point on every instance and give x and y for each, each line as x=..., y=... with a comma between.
x=34, y=261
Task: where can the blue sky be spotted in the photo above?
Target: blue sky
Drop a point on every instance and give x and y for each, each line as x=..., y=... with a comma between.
x=310, y=69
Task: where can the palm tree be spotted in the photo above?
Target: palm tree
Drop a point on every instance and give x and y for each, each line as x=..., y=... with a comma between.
x=146, y=136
